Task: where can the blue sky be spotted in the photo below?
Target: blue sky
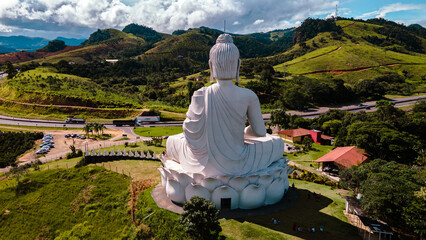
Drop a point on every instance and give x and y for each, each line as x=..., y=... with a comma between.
x=79, y=18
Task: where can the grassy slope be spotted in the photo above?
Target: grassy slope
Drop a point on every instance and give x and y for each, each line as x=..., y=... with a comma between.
x=69, y=90
x=360, y=54
x=308, y=158
x=119, y=41
x=57, y=201
x=29, y=87
x=157, y=131
x=328, y=211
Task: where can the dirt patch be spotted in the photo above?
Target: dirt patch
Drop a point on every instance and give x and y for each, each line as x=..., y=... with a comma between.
x=350, y=25
x=350, y=70
x=342, y=191
x=332, y=51
x=83, y=197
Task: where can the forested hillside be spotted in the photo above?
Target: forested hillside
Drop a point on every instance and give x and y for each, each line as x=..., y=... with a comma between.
x=322, y=62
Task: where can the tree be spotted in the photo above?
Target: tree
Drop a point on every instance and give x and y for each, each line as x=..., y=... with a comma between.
x=10, y=70
x=415, y=213
x=331, y=127
x=87, y=127
x=420, y=106
x=281, y=118
x=17, y=171
x=386, y=112
x=200, y=219
x=383, y=141
x=73, y=150
x=389, y=192
x=295, y=98
x=101, y=127
x=307, y=143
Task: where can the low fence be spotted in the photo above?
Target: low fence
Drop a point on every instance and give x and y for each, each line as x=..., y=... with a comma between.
x=106, y=156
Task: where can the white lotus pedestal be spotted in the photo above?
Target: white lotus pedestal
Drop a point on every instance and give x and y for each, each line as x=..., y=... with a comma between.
x=249, y=191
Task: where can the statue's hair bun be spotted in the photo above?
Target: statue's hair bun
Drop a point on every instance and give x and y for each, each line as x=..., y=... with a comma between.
x=224, y=38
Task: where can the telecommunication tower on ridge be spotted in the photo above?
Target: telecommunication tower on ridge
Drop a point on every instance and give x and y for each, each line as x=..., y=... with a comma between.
x=335, y=15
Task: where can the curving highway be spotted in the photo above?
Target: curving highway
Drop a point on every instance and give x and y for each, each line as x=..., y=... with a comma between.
x=310, y=113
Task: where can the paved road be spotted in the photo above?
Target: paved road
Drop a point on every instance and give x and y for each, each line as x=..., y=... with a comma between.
x=315, y=112
x=310, y=113
x=399, y=102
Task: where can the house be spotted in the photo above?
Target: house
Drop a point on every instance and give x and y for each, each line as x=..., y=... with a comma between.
x=297, y=136
x=367, y=228
x=341, y=158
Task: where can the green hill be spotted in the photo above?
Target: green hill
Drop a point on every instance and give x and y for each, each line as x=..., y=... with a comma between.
x=83, y=203
x=200, y=40
x=101, y=45
x=352, y=54
x=331, y=63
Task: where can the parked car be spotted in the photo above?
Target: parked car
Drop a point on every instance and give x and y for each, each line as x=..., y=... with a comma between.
x=67, y=135
x=41, y=151
x=73, y=135
x=83, y=137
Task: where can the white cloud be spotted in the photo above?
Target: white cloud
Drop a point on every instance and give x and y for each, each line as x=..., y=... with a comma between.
x=258, y=21
x=5, y=29
x=82, y=16
x=394, y=7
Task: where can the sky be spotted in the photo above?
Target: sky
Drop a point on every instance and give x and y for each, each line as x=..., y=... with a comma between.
x=79, y=18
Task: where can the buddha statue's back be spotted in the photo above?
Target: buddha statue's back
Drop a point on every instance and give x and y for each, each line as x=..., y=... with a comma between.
x=215, y=141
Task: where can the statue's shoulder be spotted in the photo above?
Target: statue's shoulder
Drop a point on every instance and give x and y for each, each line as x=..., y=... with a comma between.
x=200, y=91
x=247, y=92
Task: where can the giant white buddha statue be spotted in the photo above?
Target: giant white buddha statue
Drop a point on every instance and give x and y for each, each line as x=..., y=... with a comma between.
x=217, y=155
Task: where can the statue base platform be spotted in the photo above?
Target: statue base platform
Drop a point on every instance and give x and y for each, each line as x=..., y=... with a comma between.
x=290, y=198
x=249, y=191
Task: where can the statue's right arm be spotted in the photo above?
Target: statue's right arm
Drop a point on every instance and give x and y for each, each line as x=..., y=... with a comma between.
x=254, y=114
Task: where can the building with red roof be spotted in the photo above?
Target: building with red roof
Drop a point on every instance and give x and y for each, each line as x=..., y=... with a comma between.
x=297, y=136
x=342, y=158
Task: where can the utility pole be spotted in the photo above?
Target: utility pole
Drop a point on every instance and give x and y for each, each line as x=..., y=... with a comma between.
x=224, y=26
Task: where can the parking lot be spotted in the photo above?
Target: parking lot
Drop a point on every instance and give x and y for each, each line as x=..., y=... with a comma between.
x=62, y=144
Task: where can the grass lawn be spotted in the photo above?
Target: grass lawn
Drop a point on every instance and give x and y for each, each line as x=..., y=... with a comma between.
x=308, y=158
x=83, y=203
x=140, y=146
x=139, y=170
x=307, y=213
x=157, y=131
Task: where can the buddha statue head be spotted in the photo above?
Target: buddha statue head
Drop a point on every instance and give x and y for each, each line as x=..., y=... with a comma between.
x=224, y=59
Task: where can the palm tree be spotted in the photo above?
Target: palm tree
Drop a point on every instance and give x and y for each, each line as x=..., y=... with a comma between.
x=102, y=127
x=97, y=127
x=87, y=127
x=92, y=127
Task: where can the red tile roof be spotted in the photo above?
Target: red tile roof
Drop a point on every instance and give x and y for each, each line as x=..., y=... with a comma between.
x=345, y=156
x=325, y=137
x=301, y=132
x=295, y=132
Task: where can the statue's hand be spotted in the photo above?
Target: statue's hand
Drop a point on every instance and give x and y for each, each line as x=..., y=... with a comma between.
x=249, y=131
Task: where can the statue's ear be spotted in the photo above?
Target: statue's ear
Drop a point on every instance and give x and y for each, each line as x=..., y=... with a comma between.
x=211, y=70
x=238, y=70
